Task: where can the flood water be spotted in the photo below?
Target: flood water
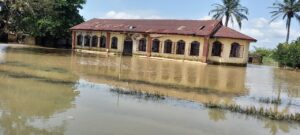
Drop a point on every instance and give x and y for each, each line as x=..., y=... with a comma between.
x=56, y=92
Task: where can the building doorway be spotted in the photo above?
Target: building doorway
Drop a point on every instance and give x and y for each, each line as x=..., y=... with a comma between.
x=128, y=45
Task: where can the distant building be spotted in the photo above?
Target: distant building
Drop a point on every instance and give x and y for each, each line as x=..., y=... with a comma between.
x=207, y=41
x=255, y=59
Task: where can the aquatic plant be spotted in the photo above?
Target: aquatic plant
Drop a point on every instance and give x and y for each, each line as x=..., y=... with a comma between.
x=22, y=75
x=34, y=67
x=252, y=110
x=139, y=94
x=268, y=100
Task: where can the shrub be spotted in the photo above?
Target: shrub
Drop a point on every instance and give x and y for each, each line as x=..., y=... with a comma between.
x=288, y=54
x=264, y=52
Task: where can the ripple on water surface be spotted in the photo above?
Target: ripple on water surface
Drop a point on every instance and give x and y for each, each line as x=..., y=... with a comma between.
x=49, y=91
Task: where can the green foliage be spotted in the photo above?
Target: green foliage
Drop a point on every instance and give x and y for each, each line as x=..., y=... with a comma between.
x=11, y=14
x=53, y=18
x=230, y=10
x=288, y=54
x=42, y=18
x=264, y=52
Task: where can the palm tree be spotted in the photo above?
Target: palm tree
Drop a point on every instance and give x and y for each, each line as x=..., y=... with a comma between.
x=230, y=10
x=288, y=9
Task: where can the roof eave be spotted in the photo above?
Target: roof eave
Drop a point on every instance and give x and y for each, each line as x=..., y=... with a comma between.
x=251, y=40
x=168, y=33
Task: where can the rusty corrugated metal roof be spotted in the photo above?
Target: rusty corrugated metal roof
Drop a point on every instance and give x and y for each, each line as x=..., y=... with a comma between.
x=181, y=27
x=230, y=33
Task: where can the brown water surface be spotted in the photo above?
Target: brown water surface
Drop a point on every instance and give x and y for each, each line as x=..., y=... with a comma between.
x=50, y=91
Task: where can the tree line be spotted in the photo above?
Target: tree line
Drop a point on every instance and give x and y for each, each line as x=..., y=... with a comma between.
x=286, y=54
x=47, y=20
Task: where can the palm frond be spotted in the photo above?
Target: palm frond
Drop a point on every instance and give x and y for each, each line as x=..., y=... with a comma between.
x=230, y=9
x=297, y=17
x=274, y=18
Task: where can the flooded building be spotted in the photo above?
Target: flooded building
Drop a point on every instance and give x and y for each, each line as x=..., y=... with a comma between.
x=207, y=41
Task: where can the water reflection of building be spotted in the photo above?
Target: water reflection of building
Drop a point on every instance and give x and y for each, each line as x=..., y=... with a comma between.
x=287, y=82
x=30, y=94
x=174, y=78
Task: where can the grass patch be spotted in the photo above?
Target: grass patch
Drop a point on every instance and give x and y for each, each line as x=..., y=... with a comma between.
x=33, y=77
x=139, y=94
x=270, y=100
x=200, y=90
x=259, y=112
x=253, y=111
x=25, y=65
x=267, y=60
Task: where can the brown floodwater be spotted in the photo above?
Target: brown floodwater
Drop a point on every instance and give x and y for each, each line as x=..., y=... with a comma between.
x=56, y=92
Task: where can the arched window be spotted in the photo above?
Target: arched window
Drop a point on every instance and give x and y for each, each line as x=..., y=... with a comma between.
x=195, y=48
x=87, y=40
x=102, y=42
x=180, y=47
x=235, y=50
x=155, y=45
x=94, y=41
x=168, y=46
x=79, y=40
x=142, y=45
x=217, y=49
x=114, y=43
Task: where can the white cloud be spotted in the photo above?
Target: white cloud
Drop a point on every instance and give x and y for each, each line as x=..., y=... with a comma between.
x=260, y=22
x=206, y=18
x=127, y=15
x=268, y=34
x=253, y=32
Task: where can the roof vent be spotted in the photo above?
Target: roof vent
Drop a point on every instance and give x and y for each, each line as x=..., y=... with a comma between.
x=201, y=28
x=131, y=27
x=181, y=27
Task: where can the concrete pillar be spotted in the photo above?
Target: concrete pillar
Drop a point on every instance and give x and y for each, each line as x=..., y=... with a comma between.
x=83, y=40
x=73, y=39
x=107, y=40
x=98, y=44
x=174, y=47
x=91, y=40
x=205, y=50
x=186, y=49
x=121, y=42
x=134, y=46
x=162, y=47
x=149, y=46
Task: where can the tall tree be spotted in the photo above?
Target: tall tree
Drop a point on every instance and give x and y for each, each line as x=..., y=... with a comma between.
x=54, y=18
x=230, y=10
x=11, y=12
x=287, y=9
x=46, y=19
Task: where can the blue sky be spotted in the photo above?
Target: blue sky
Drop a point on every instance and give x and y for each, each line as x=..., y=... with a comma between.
x=258, y=25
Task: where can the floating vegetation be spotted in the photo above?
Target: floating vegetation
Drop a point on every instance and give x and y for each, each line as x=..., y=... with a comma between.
x=139, y=94
x=201, y=90
x=33, y=67
x=39, y=51
x=260, y=112
x=38, y=78
x=254, y=111
x=276, y=101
